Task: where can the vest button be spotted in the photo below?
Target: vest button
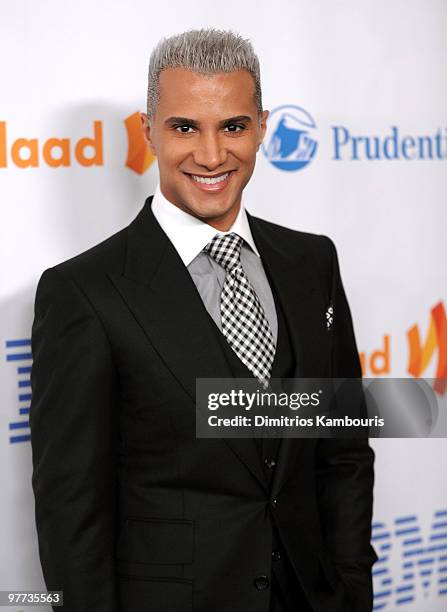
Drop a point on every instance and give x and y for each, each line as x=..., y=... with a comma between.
x=261, y=582
x=276, y=555
x=269, y=462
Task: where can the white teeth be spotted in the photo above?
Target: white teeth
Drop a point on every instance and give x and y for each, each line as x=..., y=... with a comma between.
x=210, y=181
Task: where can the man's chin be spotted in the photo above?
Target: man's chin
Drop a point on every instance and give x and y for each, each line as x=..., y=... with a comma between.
x=208, y=213
x=208, y=207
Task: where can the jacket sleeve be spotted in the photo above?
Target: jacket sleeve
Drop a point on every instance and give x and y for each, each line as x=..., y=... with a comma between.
x=345, y=470
x=73, y=420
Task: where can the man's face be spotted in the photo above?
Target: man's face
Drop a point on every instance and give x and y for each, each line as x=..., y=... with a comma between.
x=205, y=134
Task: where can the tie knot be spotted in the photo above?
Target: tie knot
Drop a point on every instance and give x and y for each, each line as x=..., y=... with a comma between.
x=225, y=249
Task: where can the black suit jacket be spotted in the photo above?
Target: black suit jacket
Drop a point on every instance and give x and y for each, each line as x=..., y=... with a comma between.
x=132, y=511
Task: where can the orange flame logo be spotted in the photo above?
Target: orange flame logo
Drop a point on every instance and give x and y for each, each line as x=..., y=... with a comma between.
x=421, y=354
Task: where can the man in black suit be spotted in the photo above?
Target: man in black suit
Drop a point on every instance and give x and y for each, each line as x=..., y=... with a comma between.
x=133, y=511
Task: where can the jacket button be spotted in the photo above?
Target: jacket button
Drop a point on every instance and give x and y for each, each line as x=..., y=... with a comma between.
x=274, y=502
x=270, y=463
x=276, y=555
x=261, y=582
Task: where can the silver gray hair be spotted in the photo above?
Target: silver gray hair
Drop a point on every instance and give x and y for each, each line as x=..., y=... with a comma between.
x=206, y=51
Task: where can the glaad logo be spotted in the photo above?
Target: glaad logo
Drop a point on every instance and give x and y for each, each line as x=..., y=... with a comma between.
x=54, y=152
x=420, y=354
x=289, y=143
x=139, y=156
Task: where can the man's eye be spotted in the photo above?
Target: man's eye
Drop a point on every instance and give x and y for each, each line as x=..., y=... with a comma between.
x=183, y=129
x=235, y=127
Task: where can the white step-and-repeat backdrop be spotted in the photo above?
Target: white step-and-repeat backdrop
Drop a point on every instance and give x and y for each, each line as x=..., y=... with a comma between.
x=365, y=82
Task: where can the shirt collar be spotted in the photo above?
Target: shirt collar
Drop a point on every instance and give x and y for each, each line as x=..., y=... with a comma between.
x=190, y=235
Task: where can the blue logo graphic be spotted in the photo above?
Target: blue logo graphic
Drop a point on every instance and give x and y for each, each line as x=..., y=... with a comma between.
x=19, y=352
x=422, y=561
x=289, y=142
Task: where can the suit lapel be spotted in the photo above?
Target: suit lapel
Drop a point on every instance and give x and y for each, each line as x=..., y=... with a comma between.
x=162, y=296
x=164, y=299
x=289, y=271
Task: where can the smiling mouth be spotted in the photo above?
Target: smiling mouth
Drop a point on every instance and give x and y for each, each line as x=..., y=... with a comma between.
x=211, y=183
x=210, y=180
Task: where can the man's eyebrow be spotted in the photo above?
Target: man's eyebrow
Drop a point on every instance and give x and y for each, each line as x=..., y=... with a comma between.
x=185, y=121
x=180, y=121
x=236, y=119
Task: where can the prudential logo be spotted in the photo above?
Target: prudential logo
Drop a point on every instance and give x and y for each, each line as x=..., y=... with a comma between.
x=289, y=142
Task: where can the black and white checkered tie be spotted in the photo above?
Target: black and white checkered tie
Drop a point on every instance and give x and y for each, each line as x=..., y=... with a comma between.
x=244, y=323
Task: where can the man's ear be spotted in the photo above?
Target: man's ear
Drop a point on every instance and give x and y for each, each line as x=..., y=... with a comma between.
x=262, y=128
x=147, y=131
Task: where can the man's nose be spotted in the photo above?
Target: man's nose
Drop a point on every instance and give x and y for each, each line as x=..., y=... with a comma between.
x=210, y=151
